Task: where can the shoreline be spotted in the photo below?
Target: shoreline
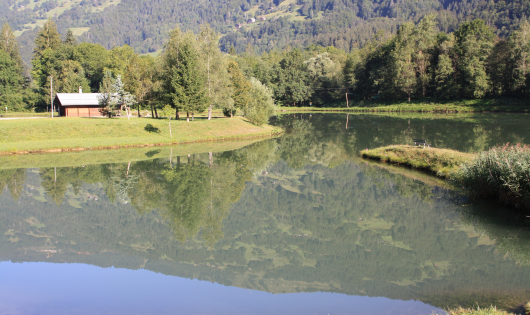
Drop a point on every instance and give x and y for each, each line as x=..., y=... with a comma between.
x=91, y=135
x=129, y=146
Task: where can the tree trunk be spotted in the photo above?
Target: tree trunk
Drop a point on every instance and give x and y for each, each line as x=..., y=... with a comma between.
x=192, y=115
x=188, y=116
x=231, y=113
x=177, y=116
x=138, y=110
x=156, y=113
x=170, y=134
x=409, y=97
x=210, y=112
x=152, y=111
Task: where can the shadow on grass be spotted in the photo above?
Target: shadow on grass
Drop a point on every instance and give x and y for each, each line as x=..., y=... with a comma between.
x=152, y=153
x=150, y=128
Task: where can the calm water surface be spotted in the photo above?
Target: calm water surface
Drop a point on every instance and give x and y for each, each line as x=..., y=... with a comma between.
x=294, y=225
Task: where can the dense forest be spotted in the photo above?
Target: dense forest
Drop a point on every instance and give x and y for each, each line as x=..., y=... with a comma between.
x=268, y=221
x=345, y=24
x=193, y=74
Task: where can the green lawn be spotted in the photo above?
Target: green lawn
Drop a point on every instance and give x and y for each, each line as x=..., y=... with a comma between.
x=65, y=134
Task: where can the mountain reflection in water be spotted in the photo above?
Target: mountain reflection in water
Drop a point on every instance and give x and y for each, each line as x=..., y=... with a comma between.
x=301, y=213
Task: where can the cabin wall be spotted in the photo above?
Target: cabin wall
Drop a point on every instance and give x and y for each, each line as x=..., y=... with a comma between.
x=82, y=111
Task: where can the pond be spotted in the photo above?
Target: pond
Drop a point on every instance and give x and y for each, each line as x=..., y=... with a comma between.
x=294, y=225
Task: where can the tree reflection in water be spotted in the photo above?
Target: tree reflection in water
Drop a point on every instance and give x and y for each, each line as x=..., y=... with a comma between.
x=298, y=213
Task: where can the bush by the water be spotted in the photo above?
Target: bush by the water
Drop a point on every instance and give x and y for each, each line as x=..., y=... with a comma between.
x=503, y=172
x=261, y=105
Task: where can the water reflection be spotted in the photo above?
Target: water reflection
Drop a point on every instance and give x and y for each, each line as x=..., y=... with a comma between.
x=296, y=214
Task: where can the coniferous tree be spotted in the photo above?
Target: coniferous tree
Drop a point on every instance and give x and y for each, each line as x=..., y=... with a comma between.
x=47, y=37
x=184, y=82
x=8, y=43
x=70, y=39
x=240, y=87
x=121, y=99
x=106, y=89
x=11, y=82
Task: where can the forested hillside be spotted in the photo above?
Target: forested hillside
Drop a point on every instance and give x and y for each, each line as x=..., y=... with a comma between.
x=346, y=24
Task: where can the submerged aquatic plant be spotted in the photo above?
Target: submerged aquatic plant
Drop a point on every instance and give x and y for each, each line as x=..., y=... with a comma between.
x=503, y=173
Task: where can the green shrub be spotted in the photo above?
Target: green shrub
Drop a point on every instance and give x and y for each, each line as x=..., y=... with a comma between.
x=229, y=112
x=261, y=105
x=502, y=173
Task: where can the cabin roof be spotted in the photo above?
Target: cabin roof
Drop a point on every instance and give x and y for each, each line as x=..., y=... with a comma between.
x=78, y=99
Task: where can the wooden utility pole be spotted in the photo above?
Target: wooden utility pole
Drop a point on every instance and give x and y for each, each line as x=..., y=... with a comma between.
x=51, y=93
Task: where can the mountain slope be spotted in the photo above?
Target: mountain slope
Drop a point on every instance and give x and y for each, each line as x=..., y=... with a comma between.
x=347, y=24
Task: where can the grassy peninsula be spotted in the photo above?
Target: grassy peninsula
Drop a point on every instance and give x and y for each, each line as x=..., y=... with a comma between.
x=77, y=134
x=500, y=173
x=441, y=162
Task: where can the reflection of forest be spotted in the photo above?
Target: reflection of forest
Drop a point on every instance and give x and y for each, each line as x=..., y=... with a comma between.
x=300, y=213
x=467, y=133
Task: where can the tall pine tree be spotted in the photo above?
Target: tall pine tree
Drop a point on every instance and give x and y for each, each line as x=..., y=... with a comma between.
x=184, y=82
x=8, y=43
x=47, y=37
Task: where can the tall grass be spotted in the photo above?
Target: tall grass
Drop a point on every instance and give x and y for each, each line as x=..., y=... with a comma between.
x=503, y=173
x=492, y=310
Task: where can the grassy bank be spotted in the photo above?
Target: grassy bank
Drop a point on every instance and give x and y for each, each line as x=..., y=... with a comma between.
x=442, y=162
x=75, y=134
x=427, y=106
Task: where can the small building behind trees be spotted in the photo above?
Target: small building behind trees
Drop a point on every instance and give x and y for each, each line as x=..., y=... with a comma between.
x=78, y=104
